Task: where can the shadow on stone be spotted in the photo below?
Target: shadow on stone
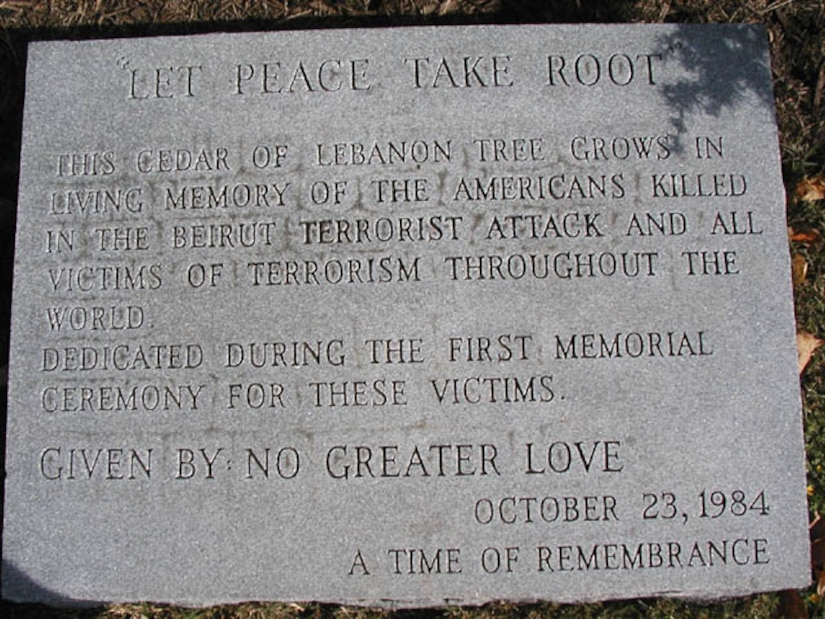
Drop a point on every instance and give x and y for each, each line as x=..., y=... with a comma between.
x=18, y=586
x=715, y=87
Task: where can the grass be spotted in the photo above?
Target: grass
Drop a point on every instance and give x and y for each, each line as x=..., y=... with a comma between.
x=797, y=37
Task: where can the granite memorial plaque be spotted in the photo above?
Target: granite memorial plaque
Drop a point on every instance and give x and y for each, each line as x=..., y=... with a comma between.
x=403, y=317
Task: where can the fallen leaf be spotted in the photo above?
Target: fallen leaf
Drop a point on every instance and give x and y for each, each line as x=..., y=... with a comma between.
x=811, y=189
x=791, y=605
x=799, y=269
x=820, y=581
x=806, y=345
x=817, y=533
x=818, y=554
x=803, y=236
x=817, y=527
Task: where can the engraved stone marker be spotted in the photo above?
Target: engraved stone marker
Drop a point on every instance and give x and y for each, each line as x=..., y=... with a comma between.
x=403, y=317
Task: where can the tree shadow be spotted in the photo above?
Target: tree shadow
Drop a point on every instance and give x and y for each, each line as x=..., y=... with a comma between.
x=727, y=69
x=18, y=586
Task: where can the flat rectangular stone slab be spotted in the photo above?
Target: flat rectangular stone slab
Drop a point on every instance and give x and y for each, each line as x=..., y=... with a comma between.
x=403, y=317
